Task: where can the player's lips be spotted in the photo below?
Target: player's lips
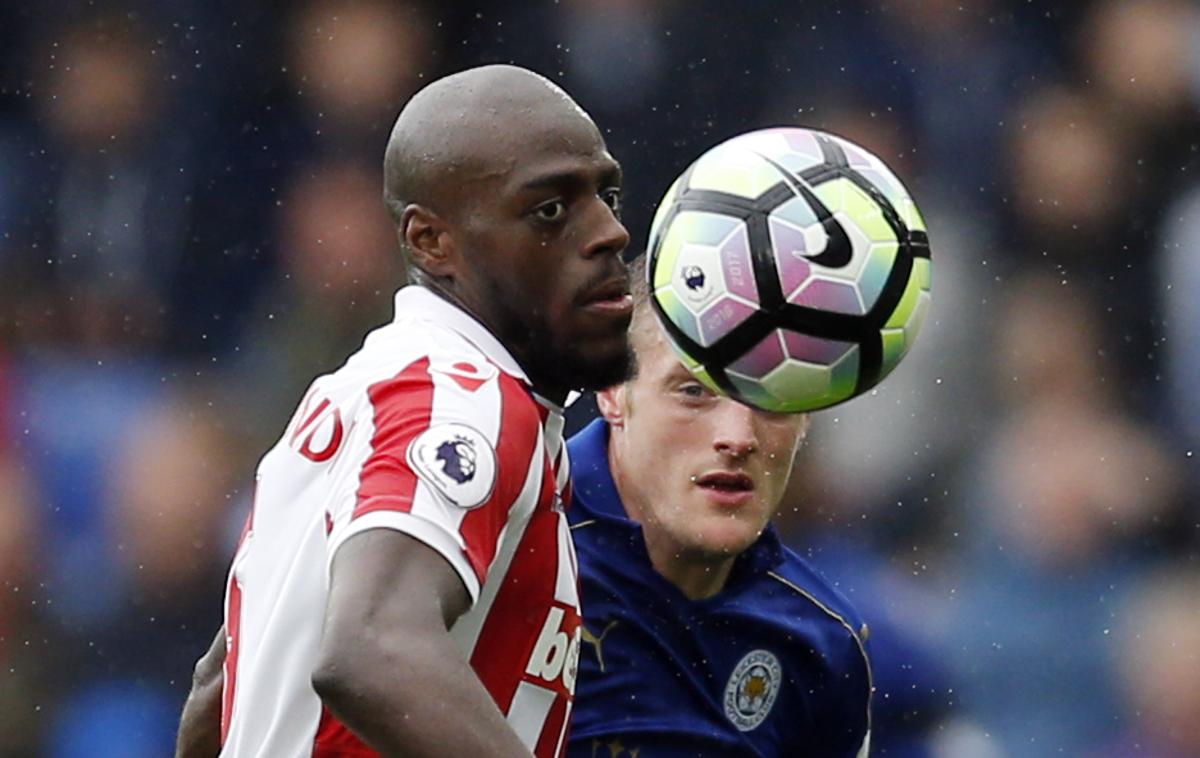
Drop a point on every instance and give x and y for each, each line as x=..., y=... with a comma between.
x=611, y=298
x=727, y=488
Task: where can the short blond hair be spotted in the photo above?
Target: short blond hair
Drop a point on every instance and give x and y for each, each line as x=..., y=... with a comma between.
x=645, y=324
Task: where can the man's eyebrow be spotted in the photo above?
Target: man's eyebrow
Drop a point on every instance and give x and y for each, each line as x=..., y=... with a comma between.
x=609, y=176
x=613, y=175
x=555, y=180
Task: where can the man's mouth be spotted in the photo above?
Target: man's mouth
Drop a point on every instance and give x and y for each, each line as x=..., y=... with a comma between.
x=726, y=481
x=611, y=297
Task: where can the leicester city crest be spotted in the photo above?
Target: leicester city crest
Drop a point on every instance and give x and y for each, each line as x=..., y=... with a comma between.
x=752, y=689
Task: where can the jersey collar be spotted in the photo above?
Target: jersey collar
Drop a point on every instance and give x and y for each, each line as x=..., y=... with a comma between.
x=595, y=496
x=592, y=483
x=415, y=301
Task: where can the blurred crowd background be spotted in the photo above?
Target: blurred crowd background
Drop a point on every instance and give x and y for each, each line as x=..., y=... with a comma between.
x=191, y=229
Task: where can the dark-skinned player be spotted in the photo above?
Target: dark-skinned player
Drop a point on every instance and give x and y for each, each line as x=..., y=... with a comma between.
x=406, y=582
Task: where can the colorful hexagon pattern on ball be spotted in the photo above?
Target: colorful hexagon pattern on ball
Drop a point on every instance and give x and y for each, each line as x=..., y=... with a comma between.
x=790, y=269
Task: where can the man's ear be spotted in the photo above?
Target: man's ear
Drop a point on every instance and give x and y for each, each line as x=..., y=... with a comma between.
x=611, y=402
x=805, y=425
x=429, y=241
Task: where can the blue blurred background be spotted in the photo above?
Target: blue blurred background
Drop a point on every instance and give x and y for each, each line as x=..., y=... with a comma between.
x=191, y=229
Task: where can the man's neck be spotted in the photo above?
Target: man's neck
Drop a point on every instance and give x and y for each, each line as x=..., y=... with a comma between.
x=551, y=391
x=696, y=579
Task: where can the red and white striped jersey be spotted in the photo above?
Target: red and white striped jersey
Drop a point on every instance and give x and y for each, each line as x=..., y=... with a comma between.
x=432, y=429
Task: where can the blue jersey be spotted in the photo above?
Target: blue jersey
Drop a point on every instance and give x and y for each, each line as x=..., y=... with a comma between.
x=773, y=665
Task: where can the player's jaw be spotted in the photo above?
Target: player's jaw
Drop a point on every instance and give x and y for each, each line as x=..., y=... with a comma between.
x=566, y=337
x=590, y=337
x=716, y=535
x=591, y=364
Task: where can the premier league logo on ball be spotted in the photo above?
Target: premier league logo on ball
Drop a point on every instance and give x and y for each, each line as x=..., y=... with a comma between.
x=693, y=277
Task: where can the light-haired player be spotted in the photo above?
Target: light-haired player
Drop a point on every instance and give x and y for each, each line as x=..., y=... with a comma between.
x=407, y=560
x=703, y=635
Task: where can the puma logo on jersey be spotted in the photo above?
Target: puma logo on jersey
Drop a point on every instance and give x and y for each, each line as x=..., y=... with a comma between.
x=598, y=642
x=614, y=748
x=556, y=653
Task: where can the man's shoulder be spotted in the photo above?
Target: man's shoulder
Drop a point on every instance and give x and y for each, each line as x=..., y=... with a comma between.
x=810, y=587
x=412, y=374
x=418, y=347
x=409, y=339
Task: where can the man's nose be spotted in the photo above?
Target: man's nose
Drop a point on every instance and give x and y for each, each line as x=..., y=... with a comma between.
x=608, y=236
x=736, y=433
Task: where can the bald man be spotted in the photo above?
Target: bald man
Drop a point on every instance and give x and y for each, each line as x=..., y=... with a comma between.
x=406, y=582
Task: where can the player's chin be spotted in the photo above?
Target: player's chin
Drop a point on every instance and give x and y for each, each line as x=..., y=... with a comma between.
x=594, y=323
x=602, y=330
x=725, y=536
x=600, y=362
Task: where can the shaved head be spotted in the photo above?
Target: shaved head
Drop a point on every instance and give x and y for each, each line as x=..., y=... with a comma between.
x=465, y=126
x=507, y=203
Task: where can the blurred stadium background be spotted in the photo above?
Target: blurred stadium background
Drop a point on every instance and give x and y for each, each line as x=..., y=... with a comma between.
x=191, y=229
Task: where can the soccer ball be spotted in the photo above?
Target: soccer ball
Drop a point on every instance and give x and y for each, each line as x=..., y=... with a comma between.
x=790, y=269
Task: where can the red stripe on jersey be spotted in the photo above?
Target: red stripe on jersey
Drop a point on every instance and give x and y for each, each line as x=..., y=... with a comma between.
x=552, y=729
x=510, y=632
x=311, y=418
x=335, y=740
x=403, y=406
x=233, y=614
x=233, y=628
x=517, y=437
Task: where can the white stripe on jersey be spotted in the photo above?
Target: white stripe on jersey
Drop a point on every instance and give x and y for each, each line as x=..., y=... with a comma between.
x=564, y=470
x=566, y=586
x=466, y=630
x=562, y=735
x=528, y=712
x=554, y=424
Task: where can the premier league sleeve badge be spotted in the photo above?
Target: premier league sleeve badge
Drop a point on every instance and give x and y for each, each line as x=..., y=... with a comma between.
x=455, y=461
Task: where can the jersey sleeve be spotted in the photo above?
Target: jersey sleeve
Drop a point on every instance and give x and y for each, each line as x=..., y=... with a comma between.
x=443, y=450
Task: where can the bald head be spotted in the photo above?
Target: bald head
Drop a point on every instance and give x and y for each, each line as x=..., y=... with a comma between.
x=467, y=126
x=507, y=203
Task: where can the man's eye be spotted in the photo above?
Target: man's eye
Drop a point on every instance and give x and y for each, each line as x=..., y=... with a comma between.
x=694, y=390
x=552, y=211
x=612, y=198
